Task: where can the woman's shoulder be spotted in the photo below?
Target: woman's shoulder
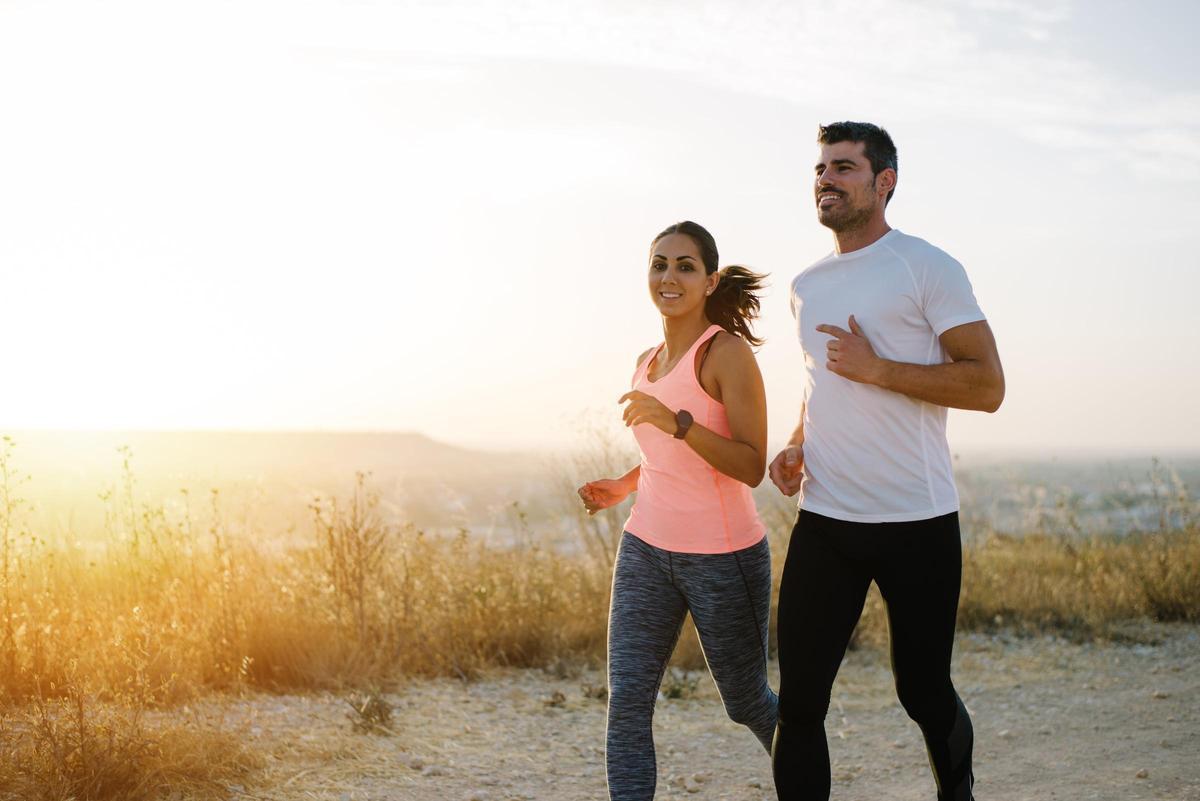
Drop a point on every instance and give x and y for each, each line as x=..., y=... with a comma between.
x=645, y=355
x=730, y=346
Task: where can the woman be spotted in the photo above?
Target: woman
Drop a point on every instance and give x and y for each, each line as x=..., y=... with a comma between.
x=693, y=541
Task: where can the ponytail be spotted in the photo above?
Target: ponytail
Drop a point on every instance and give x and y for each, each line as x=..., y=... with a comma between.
x=734, y=304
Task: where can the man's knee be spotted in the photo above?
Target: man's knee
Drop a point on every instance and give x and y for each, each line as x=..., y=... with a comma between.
x=802, y=707
x=930, y=704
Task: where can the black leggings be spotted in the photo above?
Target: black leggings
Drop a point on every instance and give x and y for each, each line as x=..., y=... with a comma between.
x=830, y=565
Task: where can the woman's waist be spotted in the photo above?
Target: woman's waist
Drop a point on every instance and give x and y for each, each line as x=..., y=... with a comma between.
x=690, y=487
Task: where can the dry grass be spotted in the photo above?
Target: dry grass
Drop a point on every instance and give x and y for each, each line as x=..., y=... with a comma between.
x=158, y=609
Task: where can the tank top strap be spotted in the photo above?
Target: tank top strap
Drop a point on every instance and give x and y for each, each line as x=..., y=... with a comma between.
x=689, y=358
x=708, y=334
x=644, y=366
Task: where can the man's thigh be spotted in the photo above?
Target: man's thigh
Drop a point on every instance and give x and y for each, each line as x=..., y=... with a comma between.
x=821, y=598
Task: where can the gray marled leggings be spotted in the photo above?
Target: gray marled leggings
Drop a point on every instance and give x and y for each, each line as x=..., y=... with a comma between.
x=729, y=596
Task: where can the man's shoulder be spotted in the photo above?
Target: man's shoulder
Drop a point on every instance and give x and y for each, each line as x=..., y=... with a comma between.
x=919, y=252
x=814, y=267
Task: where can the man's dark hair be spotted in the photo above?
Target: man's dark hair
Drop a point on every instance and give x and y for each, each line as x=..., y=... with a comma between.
x=877, y=145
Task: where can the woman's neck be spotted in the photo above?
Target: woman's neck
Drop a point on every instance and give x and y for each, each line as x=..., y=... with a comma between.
x=679, y=334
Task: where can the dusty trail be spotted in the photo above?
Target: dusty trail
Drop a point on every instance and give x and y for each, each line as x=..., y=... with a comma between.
x=1054, y=720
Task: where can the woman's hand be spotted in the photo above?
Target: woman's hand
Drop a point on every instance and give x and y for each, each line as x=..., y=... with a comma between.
x=602, y=494
x=645, y=408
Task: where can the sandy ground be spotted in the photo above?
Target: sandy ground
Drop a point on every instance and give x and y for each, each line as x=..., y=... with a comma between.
x=1053, y=720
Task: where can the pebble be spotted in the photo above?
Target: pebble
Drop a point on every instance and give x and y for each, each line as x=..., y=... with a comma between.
x=477, y=795
x=433, y=770
x=701, y=778
x=901, y=744
x=1159, y=694
x=1005, y=734
x=755, y=784
x=1143, y=774
x=691, y=786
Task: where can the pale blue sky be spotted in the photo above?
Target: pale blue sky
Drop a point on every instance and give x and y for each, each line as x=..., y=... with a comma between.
x=435, y=216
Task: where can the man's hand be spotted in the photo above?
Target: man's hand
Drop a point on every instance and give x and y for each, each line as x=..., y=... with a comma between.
x=787, y=469
x=849, y=354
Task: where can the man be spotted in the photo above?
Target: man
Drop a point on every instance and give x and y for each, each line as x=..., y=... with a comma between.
x=891, y=336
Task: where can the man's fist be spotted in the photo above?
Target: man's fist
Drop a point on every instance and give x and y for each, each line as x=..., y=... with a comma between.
x=787, y=469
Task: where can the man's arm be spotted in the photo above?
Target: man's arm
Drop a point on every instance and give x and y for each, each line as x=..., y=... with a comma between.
x=787, y=468
x=974, y=379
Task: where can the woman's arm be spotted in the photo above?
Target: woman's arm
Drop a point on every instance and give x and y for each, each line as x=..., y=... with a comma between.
x=606, y=492
x=735, y=372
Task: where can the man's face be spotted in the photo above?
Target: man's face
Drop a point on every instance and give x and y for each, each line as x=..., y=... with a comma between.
x=844, y=187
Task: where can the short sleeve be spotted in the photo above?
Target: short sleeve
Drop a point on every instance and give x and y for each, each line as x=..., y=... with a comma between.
x=947, y=298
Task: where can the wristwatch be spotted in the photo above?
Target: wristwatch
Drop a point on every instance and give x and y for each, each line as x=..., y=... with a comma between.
x=683, y=421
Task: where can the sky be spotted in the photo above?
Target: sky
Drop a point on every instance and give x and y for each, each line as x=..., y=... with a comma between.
x=435, y=216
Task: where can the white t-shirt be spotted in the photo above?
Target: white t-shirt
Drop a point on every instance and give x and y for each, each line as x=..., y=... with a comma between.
x=872, y=455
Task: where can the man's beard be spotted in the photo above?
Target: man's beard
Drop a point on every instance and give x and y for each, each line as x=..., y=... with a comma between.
x=844, y=219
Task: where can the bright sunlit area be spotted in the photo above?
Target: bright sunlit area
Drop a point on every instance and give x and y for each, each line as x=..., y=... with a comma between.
x=314, y=320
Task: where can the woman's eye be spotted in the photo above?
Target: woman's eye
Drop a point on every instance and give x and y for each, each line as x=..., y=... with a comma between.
x=658, y=265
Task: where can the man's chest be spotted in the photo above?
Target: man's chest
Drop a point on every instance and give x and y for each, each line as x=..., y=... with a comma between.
x=883, y=300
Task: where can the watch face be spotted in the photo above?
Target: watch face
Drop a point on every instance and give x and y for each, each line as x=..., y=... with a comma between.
x=683, y=421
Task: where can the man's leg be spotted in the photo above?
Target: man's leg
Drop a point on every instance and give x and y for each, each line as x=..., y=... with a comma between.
x=821, y=597
x=644, y=619
x=920, y=583
x=729, y=595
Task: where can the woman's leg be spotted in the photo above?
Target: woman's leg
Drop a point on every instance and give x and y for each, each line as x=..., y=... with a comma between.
x=729, y=596
x=644, y=620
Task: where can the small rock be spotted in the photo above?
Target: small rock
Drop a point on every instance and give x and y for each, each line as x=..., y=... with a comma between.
x=1143, y=774
x=477, y=795
x=433, y=770
x=899, y=744
x=557, y=699
x=701, y=778
x=757, y=785
x=414, y=762
x=691, y=787
x=675, y=780
x=1159, y=694
x=1005, y=734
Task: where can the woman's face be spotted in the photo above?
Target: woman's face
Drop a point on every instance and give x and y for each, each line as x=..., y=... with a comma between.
x=678, y=283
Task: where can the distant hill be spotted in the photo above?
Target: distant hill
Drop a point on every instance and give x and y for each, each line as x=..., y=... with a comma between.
x=265, y=454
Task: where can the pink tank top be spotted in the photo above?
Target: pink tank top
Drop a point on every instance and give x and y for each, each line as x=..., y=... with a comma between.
x=684, y=504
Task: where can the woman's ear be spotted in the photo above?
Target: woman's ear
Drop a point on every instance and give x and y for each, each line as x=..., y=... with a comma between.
x=713, y=280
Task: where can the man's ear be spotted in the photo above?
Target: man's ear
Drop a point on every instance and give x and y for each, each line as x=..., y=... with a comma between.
x=886, y=180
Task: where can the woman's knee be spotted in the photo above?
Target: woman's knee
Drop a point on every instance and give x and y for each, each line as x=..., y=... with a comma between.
x=750, y=708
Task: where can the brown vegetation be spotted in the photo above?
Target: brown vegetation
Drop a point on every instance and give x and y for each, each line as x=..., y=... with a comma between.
x=160, y=609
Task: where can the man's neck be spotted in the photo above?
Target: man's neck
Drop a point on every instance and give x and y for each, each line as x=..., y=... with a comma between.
x=858, y=238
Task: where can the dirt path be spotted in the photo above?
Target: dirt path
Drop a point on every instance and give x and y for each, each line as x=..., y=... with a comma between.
x=1053, y=720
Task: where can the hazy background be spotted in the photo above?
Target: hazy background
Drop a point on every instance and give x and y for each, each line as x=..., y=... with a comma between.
x=434, y=217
